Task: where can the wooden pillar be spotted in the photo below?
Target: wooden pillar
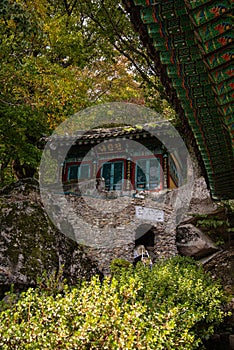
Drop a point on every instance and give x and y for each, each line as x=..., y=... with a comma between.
x=128, y=175
x=165, y=171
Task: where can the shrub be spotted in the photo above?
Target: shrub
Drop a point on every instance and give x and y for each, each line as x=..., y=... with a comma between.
x=118, y=264
x=174, y=306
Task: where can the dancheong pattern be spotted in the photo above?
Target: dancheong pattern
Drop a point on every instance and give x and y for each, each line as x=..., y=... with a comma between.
x=194, y=40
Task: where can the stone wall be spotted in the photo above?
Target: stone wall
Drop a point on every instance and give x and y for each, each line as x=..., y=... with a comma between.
x=107, y=224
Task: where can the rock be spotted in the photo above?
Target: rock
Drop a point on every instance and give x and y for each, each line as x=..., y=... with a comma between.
x=221, y=267
x=231, y=341
x=193, y=242
x=31, y=245
x=201, y=201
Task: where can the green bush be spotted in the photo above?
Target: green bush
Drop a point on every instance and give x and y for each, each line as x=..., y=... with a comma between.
x=174, y=306
x=117, y=265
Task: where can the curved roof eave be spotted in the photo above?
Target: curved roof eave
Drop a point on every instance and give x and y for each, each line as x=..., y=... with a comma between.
x=191, y=43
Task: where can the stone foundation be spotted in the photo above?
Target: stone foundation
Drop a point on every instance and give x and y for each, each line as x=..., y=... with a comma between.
x=108, y=227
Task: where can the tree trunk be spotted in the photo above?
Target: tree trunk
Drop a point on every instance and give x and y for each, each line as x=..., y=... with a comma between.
x=23, y=171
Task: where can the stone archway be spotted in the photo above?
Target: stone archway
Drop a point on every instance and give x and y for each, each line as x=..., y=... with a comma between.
x=146, y=235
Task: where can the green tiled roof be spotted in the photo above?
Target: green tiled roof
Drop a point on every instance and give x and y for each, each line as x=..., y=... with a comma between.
x=194, y=41
x=105, y=133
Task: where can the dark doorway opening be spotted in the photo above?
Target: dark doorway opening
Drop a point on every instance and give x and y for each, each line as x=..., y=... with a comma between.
x=144, y=236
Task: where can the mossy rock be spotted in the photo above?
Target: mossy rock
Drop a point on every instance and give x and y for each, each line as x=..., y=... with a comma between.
x=30, y=244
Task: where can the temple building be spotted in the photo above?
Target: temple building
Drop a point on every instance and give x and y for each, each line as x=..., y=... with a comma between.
x=121, y=159
x=122, y=187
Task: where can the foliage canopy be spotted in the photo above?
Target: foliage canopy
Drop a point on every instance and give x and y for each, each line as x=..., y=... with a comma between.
x=58, y=58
